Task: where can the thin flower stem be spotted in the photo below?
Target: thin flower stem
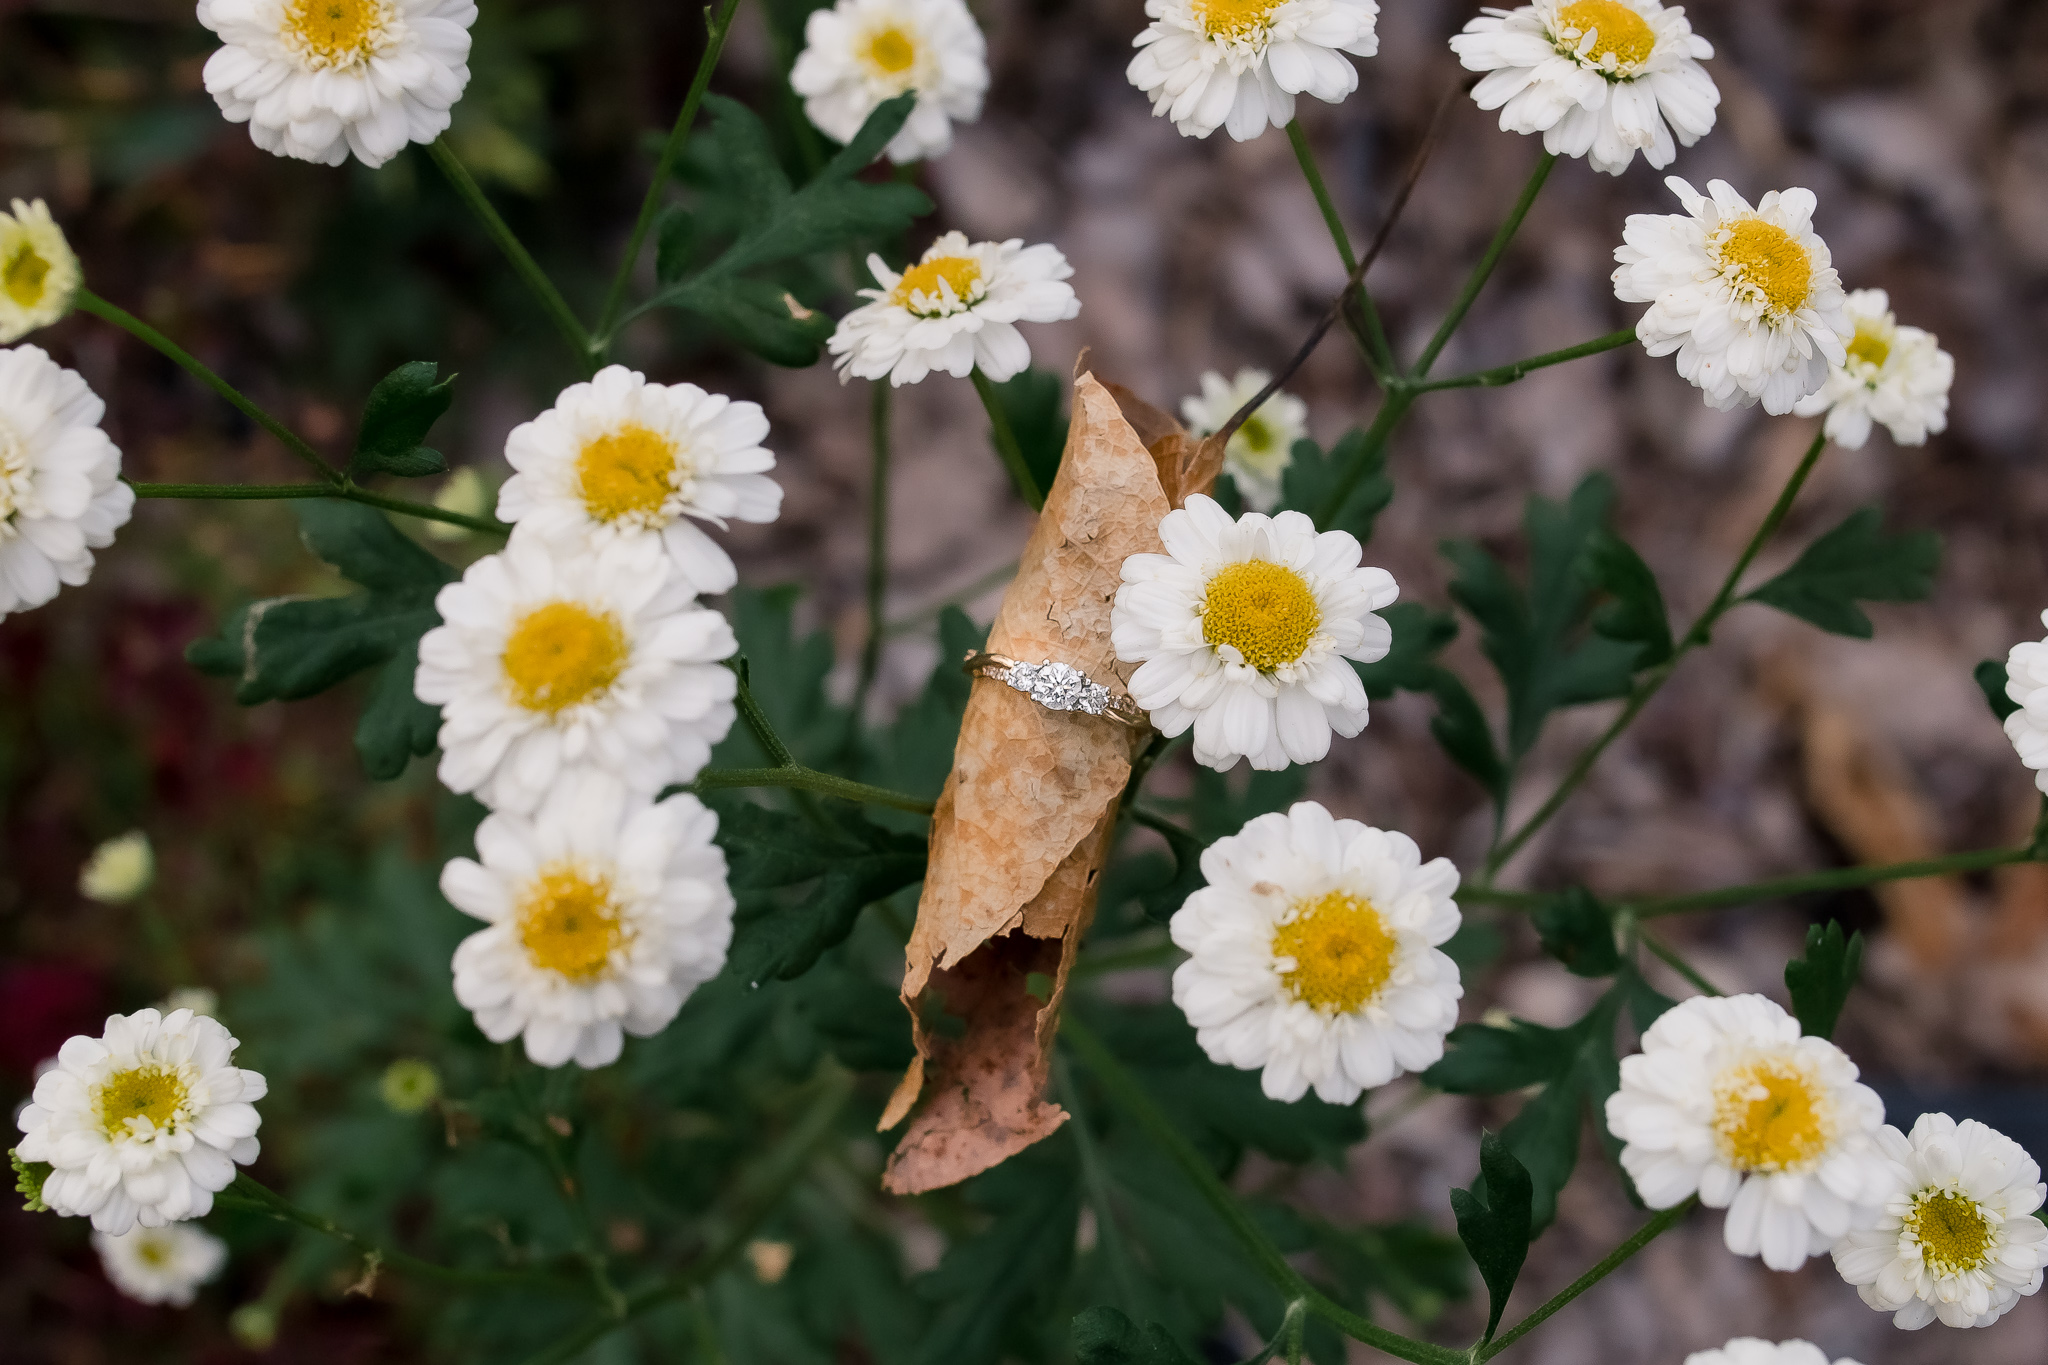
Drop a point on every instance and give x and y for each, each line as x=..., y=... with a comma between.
x=1835, y=879
x=346, y=492
x=878, y=544
x=1373, y=348
x=801, y=778
x=249, y=1194
x=1005, y=439
x=550, y=298
x=784, y=1166
x=1476, y=281
x=1664, y=953
x=1392, y=408
x=1647, y=686
x=716, y=28
x=89, y=302
x=1608, y=1264
x=1508, y=374
x=1131, y=1097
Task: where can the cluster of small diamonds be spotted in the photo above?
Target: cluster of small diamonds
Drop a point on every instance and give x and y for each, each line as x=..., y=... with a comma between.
x=1058, y=687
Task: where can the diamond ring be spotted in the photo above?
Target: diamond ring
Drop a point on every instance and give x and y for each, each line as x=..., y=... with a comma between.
x=1057, y=687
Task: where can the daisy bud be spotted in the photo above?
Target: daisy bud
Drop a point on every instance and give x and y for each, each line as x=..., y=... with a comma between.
x=39, y=274
x=409, y=1085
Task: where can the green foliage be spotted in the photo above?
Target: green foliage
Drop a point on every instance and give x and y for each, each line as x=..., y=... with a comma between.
x=1991, y=677
x=770, y=226
x=1035, y=403
x=1855, y=562
x=1494, y=1223
x=28, y=1181
x=1104, y=1336
x=1578, y=931
x=1312, y=479
x=992, y=1294
x=1636, y=615
x=914, y=752
x=1415, y=1267
x=401, y=409
x=787, y=677
x=1820, y=981
x=1420, y=634
x=835, y=864
x=1536, y=638
x=1161, y=900
x=286, y=648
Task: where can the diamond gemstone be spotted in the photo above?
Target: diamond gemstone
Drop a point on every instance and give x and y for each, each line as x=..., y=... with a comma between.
x=1059, y=687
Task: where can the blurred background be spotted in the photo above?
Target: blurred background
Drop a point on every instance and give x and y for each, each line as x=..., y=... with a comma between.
x=1923, y=129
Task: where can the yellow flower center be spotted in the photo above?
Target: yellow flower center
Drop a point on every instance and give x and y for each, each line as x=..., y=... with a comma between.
x=567, y=923
x=151, y=1249
x=562, y=654
x=1623, y=34
x=1870, y=345
x=1263, y=610
x=150, y=1091
x=1258, y=437
x=962, y=274
x=23, y=275
x=1238, y=19
x=627, y=473
x=890, y=51
x=336, y=32
x=1763, y=257
x=1771, y=1115
x=1343, y=952
x=1953, y=1233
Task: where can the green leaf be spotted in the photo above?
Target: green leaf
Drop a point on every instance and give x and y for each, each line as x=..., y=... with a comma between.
x=1313, y=476
x=1991, y=677
x=1035, y=403
x=1636, y=615
x=786, y=674
x=761, y=315
x=1415, y=1267
x=1820, y=982
x=914, y=752
x=1535, y=639
x=1578, y=931
x=288, y=648
x=401, y=409
x=1495, y=1226
x=999, y=1286
x=1855, y=562
x=848, y=865
x=1486, y=1059
x=1104, y=1336
x=28, y=1181
x=1161, y=901
x=1460, y=728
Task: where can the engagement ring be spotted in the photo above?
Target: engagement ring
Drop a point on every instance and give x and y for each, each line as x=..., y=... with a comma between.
x=1058, y=687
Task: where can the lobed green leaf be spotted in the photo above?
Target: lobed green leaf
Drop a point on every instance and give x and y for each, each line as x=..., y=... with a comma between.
x=1820, y=981
x=401, y=409
x=1494, y=1224
x=1855, y=562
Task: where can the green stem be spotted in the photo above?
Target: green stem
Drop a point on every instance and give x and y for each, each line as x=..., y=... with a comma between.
x=801, y=778
x=878, y=544
x=650, y=204
x=1508, y=374
x=1006, y=443
x=1644, y=1235
x=89, y=302
x=550, y=298
x=1392, y=408
x=1476, y=281
x=1373, y=344
x=1131, y=1097
x=783, y=1167
x=345, y=492
x=248, y=1194
x=1670, y=958
x=1647, y=686
x=1836, y=879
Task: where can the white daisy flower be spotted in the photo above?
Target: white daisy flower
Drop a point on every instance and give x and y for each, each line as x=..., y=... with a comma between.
x=1243, y=629
x=318, y=79
x=1958, y=1240
x=956, y=310
x=144, y=1123
x=1755, y=1351
x=549, y=661
x=1260, y=451
x=119, y=870
x=618, y=456
x=61, y=495
x=1238, y=64
x=604, y=913
x=1313, y=954
x=161, y=1265
x=1746, y=296
x=1727, y=1100
x=1602, y=79
x=1896, y=375
x=39, y=274
x=862, y=53
x=2026, y=682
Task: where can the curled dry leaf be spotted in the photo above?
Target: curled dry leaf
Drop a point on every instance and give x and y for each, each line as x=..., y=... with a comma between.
x=1029, y=810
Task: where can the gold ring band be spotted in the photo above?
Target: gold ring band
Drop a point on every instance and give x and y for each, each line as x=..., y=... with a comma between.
x=1057, y=687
